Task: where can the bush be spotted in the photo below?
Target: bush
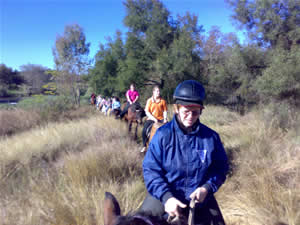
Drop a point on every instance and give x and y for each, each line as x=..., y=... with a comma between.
x=3, y=90
x=281, y=115
x=17, y=120
x=281, y=78
x=38, y=110
x=49, y=107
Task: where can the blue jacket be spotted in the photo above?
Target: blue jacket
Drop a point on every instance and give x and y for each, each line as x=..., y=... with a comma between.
x=177, y=163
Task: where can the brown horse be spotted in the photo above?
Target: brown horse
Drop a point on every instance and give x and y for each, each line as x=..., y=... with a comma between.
x=112, y=215
x=114, y=112
x=154, y=127
x=135, y=115
x=93, y=99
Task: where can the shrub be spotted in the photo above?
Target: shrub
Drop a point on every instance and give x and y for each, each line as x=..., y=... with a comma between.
x=17, y=120
x=48, y=107
x=281, y=115
x=3, y=90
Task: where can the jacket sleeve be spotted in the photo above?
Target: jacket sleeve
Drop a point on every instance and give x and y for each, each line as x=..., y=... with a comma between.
x=154, y=174
x=219, y=168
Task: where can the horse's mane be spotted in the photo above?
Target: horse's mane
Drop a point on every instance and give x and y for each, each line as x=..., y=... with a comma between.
x=139, y=218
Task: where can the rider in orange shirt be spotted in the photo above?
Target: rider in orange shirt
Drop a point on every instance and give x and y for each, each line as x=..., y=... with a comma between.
x=156, y=111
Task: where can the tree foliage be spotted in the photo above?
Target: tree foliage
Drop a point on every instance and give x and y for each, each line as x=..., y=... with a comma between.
x=108, y=59
x=274, y=23
x=282, y=77
x=71, y=50
x=9, y=79
x=159, y=49
x=71, y=60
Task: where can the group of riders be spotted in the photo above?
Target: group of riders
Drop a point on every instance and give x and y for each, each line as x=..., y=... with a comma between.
x=108, y=106
x=155, y=110
x=185, y=160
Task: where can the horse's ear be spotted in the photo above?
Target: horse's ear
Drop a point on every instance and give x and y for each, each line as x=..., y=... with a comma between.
x=111, y=209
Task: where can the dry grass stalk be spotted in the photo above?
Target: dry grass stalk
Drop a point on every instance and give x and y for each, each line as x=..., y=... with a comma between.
x=67, y=167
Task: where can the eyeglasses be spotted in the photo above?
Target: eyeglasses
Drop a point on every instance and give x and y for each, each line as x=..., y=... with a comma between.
x=187, y=112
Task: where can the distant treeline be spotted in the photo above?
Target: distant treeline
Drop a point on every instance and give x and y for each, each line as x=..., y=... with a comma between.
x=159, y=49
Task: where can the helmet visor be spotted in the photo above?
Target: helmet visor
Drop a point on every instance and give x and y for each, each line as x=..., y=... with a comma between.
x=189, y=103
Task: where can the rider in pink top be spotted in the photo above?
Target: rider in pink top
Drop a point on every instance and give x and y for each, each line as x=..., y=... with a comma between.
x=132, y=96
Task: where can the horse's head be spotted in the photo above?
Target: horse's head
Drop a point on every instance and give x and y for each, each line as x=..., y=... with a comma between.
x=140, y=112
x=112, y=215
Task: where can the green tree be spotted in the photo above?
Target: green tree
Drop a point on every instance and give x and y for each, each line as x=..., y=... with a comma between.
x=71, y=60
x=103, y=77
x=180, y=59
x=152, y=30
x=9, y=79
x=272, y=23
x=230, y=67
x=134, y=68
x=281, y=80
x=213, y=46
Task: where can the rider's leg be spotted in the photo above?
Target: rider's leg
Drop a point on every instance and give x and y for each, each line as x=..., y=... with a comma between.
x=146, y=128
x=152, y=206
x=124, y=110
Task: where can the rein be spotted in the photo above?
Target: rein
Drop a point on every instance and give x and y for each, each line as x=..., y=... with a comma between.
x=176, y=219
x=192, y=212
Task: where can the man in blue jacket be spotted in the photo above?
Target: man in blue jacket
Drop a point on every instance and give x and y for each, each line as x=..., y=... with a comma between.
x=185, y=160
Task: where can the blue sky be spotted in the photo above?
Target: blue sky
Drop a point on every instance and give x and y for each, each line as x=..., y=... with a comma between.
x=28, y=28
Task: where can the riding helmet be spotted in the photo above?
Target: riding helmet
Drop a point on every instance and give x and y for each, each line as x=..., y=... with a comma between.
x=189, y=92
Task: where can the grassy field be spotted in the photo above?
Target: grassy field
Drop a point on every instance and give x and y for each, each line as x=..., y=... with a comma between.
x=58, y=172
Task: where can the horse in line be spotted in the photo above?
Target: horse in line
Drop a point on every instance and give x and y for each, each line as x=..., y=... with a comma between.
x=134, y=115
x=93, y=99
x=151, y=133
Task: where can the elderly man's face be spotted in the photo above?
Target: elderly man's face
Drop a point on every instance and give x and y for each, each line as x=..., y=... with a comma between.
x=188, y=115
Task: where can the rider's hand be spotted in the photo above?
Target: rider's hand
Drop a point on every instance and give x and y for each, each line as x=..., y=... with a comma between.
x=199, y=194
x=171, y=206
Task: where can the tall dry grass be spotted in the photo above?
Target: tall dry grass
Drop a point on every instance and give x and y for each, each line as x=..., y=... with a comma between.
x=58, y=174
x=264, y=185
x=16, y=120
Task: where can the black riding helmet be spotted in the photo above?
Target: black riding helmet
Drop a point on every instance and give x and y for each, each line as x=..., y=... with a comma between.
x=189, y=92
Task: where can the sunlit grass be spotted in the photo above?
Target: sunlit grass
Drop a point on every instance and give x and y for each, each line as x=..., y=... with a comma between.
x=58, y=174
